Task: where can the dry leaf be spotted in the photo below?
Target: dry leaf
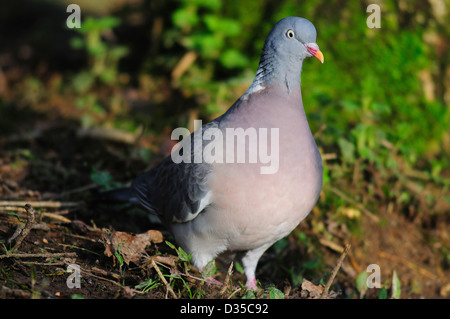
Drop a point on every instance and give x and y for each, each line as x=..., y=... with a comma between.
x=130, y=247
x=314, y=290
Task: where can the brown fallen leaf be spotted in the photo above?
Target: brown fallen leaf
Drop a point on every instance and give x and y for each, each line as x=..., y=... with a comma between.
x=130, y=247
x=167, y=260
x=312, y=291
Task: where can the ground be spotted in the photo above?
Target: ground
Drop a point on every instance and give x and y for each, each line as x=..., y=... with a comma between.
x=51, y=166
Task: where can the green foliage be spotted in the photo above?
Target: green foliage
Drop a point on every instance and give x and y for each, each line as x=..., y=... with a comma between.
x=361, y=283
x=103, y=58
x=102, y=69
x=275, y=293
x=104, y=179
x=368, y=91
x=184, y=256
x=383, y=293
x=148, y=285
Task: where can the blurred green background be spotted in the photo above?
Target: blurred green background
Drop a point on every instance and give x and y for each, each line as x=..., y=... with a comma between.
x=378, y=106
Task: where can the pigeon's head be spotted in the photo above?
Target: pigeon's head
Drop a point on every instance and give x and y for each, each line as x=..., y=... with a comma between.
x=293, y=39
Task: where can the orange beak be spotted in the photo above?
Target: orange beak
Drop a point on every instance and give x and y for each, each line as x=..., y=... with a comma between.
x=314, y=50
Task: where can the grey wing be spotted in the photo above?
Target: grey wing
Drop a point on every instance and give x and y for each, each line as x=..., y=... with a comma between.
x=176, y=192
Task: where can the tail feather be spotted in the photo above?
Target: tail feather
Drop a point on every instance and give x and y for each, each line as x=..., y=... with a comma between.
x=120, y=195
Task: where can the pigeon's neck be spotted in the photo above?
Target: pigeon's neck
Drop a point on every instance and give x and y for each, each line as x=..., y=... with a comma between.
x=272, y=72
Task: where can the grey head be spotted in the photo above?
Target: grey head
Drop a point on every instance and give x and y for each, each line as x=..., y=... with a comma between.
x=289, y=42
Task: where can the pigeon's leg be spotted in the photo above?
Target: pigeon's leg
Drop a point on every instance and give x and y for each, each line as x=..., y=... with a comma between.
x=200, y=260
x=250, y=261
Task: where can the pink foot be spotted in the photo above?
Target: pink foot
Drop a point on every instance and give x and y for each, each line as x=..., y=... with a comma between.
x=251, y=284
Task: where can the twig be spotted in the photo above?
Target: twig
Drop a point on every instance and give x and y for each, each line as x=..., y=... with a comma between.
x=49, y=204
x=169, y=289
x=332, y=245
x=58, y=263
x=334, y=272
x=329, y=156
x=183, y=64
x=13, y=209
x=107, y=134
x=320, y=130
x=105, y=273
x=73, y=191
x=43, y=255
x=234, y=292
x=90, y=274
x=227, y=279
x=56, y=217
x=31, y=220
x=13, y=292
x=80, y=248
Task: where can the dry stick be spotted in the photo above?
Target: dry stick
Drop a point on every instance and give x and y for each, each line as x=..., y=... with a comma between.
x=56, y=217
x=49, y=204
x=335, y=271
x=14, y=292
x=59, y=263
x=31, y=220
x=169, y=289
x=73, y=191
x=234, y=292
x=227, y=279
x=44, y=255
x=89, y=273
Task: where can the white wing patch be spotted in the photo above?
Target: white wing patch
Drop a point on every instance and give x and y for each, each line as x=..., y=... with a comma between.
x=205, y=201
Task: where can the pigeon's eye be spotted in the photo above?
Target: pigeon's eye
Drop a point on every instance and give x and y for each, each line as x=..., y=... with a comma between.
x=290, y=34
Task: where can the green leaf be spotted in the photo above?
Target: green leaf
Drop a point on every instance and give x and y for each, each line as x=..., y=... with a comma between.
x=347, y=149
x=383, y=293
x=210, y=269
x=296, y=276
x=147, y=285
x=102, y=178
x=168, y=243
x=184, y=256
x=227, y=27
x=275, y=293
x=209, y=45
x=311, y=264
x=396, y=286
x=361, y=283
x=233, y=59
x=118, y=255
x=208, y=4
x=76, y=43
x=98, y=24
x=326, y=176
x=249, y=294
x=83, y=81
x=238, y=267
x=185, y=17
